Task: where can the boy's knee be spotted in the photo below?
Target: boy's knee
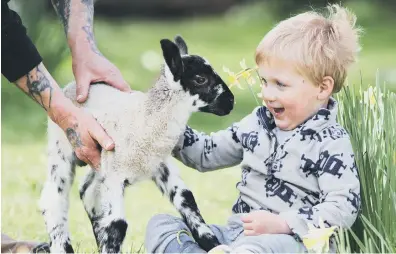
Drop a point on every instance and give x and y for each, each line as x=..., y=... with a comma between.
x=161, y=229
x=267, y=244
x=159, y=220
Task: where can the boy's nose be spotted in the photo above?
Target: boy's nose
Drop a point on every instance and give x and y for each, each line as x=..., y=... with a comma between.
x=268, y=94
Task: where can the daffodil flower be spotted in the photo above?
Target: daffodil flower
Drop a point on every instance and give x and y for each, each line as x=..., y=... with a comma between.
x=317, y=239
x=232, y=78
x=370, y=96
x=245, y=74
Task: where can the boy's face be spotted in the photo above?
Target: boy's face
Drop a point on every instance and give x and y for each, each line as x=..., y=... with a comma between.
x=289, y=96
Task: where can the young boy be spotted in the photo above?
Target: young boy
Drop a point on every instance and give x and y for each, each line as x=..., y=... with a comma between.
x=297, y=161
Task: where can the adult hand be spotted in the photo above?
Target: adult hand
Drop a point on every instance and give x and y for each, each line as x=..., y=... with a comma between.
x=84, y=134
x=90, y=67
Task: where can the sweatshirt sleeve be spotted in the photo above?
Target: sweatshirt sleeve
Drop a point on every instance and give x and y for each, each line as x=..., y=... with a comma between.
x=339, y=183
x=18, y=53
x=210, y=152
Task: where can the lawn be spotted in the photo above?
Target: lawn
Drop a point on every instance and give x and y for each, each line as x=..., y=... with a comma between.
x=224, y=40
x=24, y=168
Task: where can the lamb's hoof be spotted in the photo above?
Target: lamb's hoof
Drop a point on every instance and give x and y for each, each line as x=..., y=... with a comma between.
x=208, y=242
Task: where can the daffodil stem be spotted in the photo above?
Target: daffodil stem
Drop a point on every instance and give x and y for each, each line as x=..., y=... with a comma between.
x=250, y=88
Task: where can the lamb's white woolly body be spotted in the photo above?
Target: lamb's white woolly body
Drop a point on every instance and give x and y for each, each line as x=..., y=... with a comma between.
x=144, y=126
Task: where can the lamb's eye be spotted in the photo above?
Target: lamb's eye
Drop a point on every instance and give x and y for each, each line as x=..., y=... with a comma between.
x=200, y=80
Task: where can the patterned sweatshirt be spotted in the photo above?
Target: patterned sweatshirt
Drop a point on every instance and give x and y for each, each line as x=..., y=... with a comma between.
x=303, y=174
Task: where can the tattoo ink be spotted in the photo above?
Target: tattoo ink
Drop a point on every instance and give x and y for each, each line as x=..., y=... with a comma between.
x=88, y=28
x=62, y=7
x=73, y=136
x=37, y=83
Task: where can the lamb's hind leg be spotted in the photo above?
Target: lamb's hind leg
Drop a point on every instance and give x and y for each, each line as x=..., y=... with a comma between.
x=103, y=202
x=54, y=201
x=169, y=182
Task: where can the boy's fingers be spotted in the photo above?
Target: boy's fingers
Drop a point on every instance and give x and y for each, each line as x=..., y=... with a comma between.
x=246, y=219
x=248, y=226
x=249, y=232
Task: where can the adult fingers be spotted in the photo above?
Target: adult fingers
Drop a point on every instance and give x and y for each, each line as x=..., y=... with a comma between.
x=118, y=82
x=83, y=83
x=96, y=131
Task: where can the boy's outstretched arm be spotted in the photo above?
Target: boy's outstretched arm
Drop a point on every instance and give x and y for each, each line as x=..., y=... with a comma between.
x=340, y=191
x=210, y=152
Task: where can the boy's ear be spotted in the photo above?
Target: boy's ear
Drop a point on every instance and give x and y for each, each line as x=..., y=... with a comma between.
x=326, y=88
x=172, y=58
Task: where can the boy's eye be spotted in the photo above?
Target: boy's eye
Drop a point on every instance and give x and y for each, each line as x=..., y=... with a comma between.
x=280, y=84
x=264, y=80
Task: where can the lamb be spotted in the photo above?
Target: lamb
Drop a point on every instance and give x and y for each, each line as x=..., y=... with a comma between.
x=145, y=128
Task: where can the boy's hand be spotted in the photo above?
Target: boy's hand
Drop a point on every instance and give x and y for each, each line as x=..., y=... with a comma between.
x=263, y=222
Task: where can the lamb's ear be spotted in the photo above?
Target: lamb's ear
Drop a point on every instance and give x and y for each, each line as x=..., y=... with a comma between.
x=181, y=44
x=172, y=58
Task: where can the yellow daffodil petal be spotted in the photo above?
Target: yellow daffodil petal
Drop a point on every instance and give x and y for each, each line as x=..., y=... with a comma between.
x=245, y=74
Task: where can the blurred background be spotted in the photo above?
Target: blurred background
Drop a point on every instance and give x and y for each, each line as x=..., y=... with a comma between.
x=128, y=34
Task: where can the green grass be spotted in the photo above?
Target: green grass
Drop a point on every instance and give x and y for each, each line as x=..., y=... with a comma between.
x=224, y=40
x=23, y=174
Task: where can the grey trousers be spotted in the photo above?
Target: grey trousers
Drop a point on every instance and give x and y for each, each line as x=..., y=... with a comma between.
x=162, y=237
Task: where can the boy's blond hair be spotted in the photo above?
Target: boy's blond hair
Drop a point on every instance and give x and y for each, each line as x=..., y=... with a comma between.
x=318, y=45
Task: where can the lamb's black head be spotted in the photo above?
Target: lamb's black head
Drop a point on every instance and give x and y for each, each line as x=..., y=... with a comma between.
x=194, y=74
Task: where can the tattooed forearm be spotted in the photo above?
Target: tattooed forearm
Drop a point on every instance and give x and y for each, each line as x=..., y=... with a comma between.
x=37, y=86
x=88, y=27
x=90, y=37
x=73, y=136
x=62, y=8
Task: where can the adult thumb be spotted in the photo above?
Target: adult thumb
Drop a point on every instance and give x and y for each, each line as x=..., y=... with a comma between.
x=82, y=89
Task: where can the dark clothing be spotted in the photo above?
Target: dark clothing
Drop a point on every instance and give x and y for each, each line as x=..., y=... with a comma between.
x=18, y=53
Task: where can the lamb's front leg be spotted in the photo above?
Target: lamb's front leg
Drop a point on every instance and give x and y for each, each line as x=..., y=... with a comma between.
x=103, y=201
x=169, y=182
x=54, y=201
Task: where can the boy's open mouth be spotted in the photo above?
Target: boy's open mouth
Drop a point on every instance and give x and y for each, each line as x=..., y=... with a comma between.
x=278, y=111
